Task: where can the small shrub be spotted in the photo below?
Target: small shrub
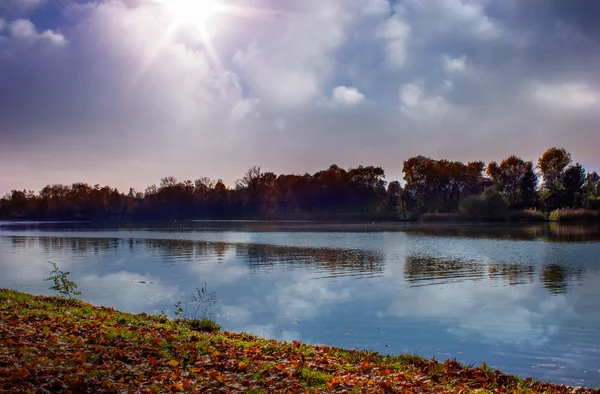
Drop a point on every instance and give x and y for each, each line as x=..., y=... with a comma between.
x=472, y=207
x=574, y=215
x=62, y=284
x=203, y=325
x=199, y=318
x=490, y=206
x=591, y=202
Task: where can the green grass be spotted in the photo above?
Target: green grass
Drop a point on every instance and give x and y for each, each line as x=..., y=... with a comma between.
x=575, y=215
x=314, y=378
x=202, y=325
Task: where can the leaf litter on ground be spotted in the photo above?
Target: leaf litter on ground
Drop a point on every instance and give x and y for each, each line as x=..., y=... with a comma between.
x=52, y=344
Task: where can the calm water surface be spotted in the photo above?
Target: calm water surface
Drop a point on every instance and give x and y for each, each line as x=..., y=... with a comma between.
x=522, y=299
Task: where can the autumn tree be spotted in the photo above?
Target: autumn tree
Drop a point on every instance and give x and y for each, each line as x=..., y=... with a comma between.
x=439, y=185
x=552, y=164
x=509, y=178
x=368, y=186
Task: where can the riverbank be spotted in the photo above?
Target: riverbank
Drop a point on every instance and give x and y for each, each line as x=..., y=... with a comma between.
x=53, y=344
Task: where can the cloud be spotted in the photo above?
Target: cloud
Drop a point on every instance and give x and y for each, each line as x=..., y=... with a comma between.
x=280, y=124
x=416, y=103
x=22, y=32
x=377, y=7
x=396, y=33
x=455, y=65
x=290, y=67
x=110, y=85
x=566, y=96
x=245, y=108
x=455, y=17
x=347, y=96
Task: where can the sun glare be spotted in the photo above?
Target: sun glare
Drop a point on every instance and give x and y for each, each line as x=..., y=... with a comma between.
x=193, y=12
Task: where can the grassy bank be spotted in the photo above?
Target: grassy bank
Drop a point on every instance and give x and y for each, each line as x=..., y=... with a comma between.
x=56, y=345
x=575, y=215
x=528, y=215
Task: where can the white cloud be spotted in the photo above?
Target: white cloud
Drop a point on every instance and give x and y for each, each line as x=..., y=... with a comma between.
x=566, y=96
x=376, y=7
x=347, y=95
x=396, y=32
x=276, y=82
x=416, y=103
x=245, y=108
x=24, y=31
x=280, y=124
x=53, y=37
x=290, y=65
x=455, y=65
x=443, y=17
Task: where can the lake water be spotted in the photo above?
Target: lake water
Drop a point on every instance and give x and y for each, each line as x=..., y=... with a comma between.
x=523, y=299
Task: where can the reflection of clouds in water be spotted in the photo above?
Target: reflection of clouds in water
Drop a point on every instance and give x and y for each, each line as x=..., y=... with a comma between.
x=272, y=332
x=306, y=298
x=124, y=291
x=16, y=269
x=504, y=314
x=226, y=273
x=24, y=265
x=235, y=314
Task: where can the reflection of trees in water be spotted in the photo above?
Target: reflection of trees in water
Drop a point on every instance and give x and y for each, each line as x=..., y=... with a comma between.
x=22, y=242
x=557, y=279
x=336, y=261
x=78, y=245
x=256, y=256
x=549, y=232
x=430, y=270
x=184, y=249
x=514, y=274
x=425, y=269
x=418, y=270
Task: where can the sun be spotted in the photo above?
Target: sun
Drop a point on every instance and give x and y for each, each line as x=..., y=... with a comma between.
x=193, y=12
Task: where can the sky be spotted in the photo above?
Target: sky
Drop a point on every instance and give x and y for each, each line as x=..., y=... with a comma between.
x=124, y=92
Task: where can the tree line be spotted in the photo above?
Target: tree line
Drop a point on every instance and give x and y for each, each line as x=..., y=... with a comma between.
x=430, y=186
